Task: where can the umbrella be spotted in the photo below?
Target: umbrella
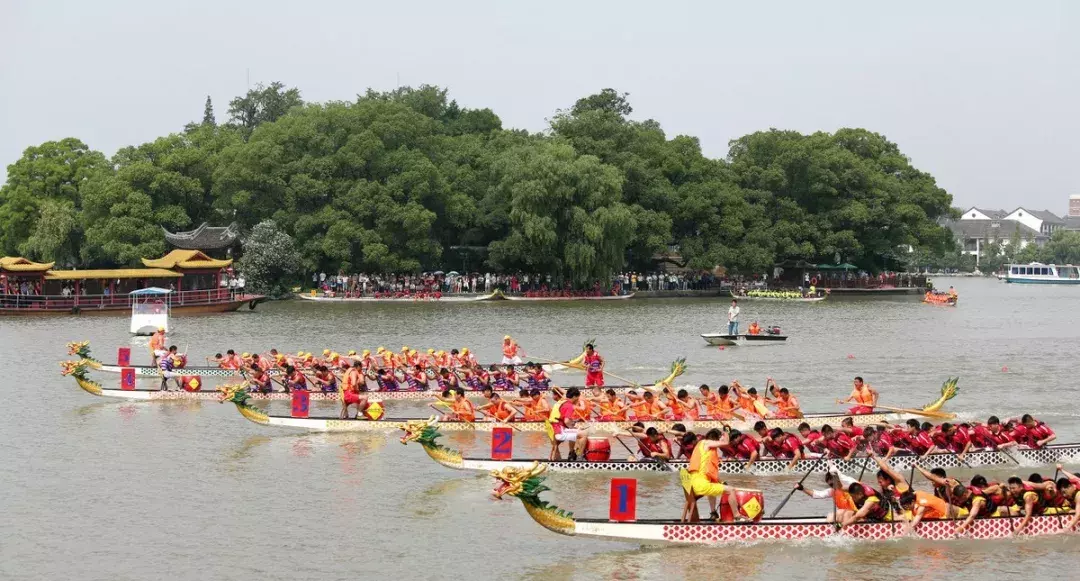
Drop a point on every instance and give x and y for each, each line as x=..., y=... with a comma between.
x=453, y=273
x=847, y=266
x=437, y=272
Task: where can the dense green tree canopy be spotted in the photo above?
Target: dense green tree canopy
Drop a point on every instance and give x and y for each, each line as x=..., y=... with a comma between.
x=395, y=181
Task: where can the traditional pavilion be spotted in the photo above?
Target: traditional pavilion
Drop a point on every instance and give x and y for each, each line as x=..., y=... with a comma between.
x=216, y=241
x=179, y=270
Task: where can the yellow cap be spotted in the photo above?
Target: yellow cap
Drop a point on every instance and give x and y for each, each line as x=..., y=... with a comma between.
x=412, y=351
x=352, y=352
x=325, y=352
x=162, y=329
x=280, y=357
x=464, y=350
x=506, y=338
x=441, y=353
x=334, y=356
x=404, y=347
x=380, y=349
x=245, y=355
x=367, y=352
x=430, y=351
x=307, y=356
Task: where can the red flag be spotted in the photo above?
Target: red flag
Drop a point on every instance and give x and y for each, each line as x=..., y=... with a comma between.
x=623, y=500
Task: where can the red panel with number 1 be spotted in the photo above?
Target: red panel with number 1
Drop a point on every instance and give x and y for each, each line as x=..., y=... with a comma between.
x=623, y=500
x=127, y=378
x=502, y=443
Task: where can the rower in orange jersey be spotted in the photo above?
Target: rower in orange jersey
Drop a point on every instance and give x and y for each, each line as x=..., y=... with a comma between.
x=583, y=411
x=864, y=397
x=442, y=359
x=787, y=406
x=533, y=405
x=611, y=408
x=510, y=351
x=649, y=408
x=462, y=409
x=157, y=345
x=498, y=409
x=684, y=407
x=746, y=400
x=716, y=406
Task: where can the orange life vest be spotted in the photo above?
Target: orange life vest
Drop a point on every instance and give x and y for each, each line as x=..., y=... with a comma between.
x=613, y=410
x=510, y=349
x=464, y=410
x=705, y=461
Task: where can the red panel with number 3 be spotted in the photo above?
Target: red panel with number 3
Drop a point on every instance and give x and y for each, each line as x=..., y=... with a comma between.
x=502, y=443
x=623, y=500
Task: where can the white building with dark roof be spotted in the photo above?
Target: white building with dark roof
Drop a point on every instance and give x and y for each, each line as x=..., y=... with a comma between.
x=974, y=235
x=1044, y=221
x=974, y=213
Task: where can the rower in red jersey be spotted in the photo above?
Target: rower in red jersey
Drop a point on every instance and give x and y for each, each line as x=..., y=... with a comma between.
x=837, y=443
x=811, y=439
x=856, y=433
x=594, y=367
x=653, y=444
x=783, y=446
x=294, y=379
x=742, y=447
x=1038, y=433
x=864, y=397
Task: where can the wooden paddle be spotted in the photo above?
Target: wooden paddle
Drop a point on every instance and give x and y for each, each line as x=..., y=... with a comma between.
x=926, y=413
x=664, y=466
x=794, y=488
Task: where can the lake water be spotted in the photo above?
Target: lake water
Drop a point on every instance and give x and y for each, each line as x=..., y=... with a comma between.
x=100, y=489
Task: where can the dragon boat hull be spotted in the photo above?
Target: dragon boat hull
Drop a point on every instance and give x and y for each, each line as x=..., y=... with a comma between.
x=817, y=299
x=334, y=424
x=791, y=529
x=1027, y=457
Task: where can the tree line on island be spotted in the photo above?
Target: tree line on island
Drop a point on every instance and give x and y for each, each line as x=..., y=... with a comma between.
x=408, y=180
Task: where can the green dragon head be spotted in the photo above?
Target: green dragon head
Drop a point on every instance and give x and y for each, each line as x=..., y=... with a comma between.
x=234, y=393
x=80, y=349
x=527, y=484
x=423, y=432
x=76, y=369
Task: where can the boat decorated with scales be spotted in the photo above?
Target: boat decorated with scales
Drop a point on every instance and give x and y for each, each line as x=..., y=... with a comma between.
x=527, y=484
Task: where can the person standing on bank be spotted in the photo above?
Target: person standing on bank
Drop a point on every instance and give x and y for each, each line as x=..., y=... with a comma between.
x=733, y=318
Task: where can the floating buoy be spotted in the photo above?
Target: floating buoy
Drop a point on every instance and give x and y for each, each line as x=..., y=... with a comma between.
x=850, y=356
x=721, y=347
x=1004, y=368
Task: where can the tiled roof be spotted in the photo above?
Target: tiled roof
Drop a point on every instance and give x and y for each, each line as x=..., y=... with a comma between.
x=111, y=273
x=987, y=229
x=185, y=259
x=20, y=264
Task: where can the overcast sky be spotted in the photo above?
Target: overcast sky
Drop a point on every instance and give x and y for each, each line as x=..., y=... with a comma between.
x=984, y=95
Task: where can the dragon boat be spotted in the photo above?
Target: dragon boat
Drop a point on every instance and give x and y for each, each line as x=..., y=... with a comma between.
x=940, y=299
x=426, y=433
x=527, y=484
x=336, y=424
x=794, y=297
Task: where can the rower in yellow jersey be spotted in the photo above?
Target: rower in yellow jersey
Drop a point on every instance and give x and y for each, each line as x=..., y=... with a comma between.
x=704, y=469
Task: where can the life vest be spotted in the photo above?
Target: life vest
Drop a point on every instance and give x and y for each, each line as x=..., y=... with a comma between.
x=464, y=411
x=864, y=396
x=592, y=363
x=788, y=445
x=744, y=447
x=936, y=508
x=705, y=461
x=612, y=410
x=532, y=411
x=1039, y=432
x=988, y=507
x=647, y=446
x=297, y=381
x=920, y=443
x=417, y=381
x=814, y=442
x=583, y=411
x=788, y=407
x=685, y=409
x=879, y=511
x=157, y=341
x=262, y=383
x=331, y=382
x=501, y=411
x=839, y=444
x=510, y=349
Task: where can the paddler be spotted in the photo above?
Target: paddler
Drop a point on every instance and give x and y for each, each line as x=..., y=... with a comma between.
x=684, y=407
x=1038, y=433
x=784, y=446
x=717, y=406
x=612, y=409
x=535, y=406
x=980, y=501
x=843, y=505
x=1069, y=485
x=510, y=352
x=704, y=469
x=324, y=379
x=498, y=409
x=653, y=444
x=259, y=381
x=864, y=397
x=462, y=409
x=648, y=407
x=811, y=439
x=787, y=406
x=537, y=378
x=869, y=505
x=564, y=429
x=919, y=505
x=352, y=384
x=294, y=379
x=594, y=367
x=157, y=345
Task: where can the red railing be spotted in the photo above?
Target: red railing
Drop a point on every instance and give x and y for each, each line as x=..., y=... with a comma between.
x=82, y=302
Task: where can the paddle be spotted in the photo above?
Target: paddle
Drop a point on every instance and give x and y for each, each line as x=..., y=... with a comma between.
x=664, y=466
x=1008, y=455
x=1058, y=511
x=796, y=487
x=926, y=413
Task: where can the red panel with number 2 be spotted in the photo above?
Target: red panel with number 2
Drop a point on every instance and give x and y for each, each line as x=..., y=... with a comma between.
x=502, y=443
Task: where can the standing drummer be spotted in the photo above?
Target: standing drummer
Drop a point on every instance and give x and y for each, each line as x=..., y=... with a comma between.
x=594, y=367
